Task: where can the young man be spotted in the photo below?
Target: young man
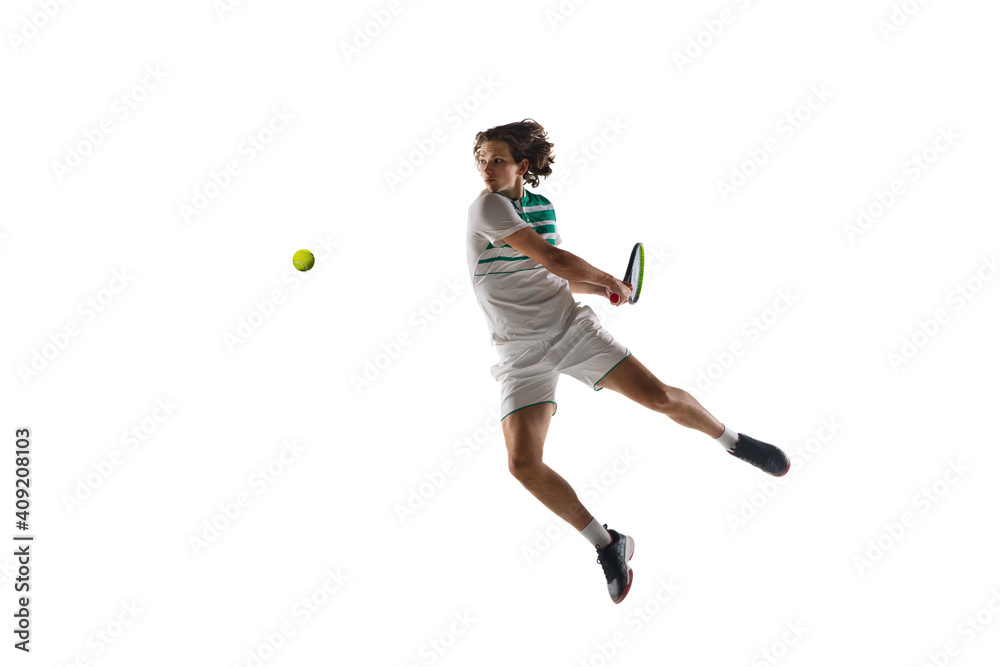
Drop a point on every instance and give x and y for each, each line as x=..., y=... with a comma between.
x=525, y=284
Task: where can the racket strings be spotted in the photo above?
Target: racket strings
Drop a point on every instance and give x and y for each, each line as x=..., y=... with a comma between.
x=635, y=274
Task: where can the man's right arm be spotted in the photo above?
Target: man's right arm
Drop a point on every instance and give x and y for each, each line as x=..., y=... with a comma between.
x=558, y=261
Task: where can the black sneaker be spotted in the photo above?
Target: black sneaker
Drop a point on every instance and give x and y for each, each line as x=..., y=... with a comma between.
x=614, y=559
x=767, y=457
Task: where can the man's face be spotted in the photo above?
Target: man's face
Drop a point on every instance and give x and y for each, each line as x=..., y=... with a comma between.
x=497, y=167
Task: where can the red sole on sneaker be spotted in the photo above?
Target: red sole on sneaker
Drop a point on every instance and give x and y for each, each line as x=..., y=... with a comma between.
x=629, y=549
x=627, y=587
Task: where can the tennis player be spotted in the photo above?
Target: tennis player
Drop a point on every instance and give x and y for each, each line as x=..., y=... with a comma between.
x=525, y=282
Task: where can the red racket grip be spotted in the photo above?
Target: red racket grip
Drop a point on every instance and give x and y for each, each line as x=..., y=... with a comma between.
x=614, y=298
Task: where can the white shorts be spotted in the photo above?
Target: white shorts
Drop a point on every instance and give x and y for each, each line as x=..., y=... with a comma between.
x=528, y=371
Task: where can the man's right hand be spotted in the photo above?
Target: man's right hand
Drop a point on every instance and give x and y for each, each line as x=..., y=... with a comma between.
x=620, y=290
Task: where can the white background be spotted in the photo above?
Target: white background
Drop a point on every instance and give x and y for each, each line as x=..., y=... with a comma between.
x=374, y=173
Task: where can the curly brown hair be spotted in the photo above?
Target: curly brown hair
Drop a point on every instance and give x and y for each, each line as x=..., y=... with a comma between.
x=526, y=140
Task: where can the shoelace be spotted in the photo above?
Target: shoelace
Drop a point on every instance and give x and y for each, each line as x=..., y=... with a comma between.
x=611, y=565
x=752, y=453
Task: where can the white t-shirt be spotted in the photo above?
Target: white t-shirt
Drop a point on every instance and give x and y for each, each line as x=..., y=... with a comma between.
x=522, y=300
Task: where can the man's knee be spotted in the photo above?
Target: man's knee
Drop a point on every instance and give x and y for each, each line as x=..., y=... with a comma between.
x=664, y=399
x=524, y=465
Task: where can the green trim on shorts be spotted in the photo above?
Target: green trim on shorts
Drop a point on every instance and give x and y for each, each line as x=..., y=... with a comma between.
x=596, y=388
x=528, y=406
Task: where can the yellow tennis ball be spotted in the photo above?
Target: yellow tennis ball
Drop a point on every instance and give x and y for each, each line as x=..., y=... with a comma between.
x=303, y=260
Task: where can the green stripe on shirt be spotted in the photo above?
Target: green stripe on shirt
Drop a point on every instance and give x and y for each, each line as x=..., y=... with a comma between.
x=493, y=247
x=502, y=259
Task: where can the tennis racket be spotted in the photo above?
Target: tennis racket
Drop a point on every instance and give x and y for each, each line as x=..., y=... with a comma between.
x=633, y=274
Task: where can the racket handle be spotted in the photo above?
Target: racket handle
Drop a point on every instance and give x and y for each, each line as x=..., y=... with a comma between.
x=614, y=298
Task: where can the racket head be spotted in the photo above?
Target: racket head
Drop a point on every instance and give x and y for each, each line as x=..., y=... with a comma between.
x=633, y=274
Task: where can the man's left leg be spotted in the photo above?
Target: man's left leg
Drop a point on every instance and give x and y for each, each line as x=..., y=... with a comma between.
x=633, y=380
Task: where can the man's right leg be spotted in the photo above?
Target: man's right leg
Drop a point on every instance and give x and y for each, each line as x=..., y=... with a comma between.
x=524, y=431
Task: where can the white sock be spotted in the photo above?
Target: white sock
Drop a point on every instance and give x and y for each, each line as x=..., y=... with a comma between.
x=728, y=439
x=596, y=534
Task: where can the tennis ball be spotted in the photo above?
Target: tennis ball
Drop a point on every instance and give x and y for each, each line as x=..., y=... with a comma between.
x=303, y=260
